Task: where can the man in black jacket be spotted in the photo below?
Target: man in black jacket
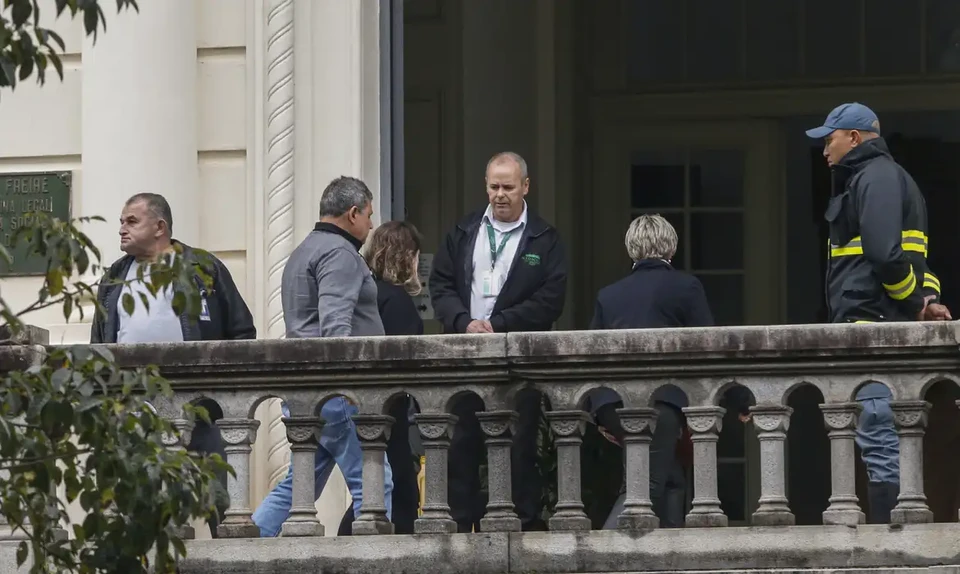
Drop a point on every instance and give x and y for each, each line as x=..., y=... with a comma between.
x=500, y=270
x=146, y=226
x=877, y=270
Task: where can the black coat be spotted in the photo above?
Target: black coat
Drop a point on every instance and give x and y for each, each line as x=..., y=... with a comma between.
x=397, y=310
x=230, y=318
x=654, y=295
x=533, y=295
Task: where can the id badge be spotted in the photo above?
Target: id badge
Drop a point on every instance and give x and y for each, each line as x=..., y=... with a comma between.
x=491, y=284
x=204, y=309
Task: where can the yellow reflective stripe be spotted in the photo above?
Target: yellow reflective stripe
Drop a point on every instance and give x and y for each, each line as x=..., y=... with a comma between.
x=864, y=321
x=930, y=280
x=915, y=233
x=913, y=240
x=903, y=289
x=853, y=247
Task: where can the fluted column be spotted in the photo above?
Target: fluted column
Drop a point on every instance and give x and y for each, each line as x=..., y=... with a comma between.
x=304, y=436
x=278, y=167
x=373, y=431
x=772, y=422
x=911, y=419
x=498, y=427
x=705, y=424
x=436, y=431
x=176, y=441
x=568, y=427
x=638, y=424
x=238, y=438
x=841, y=422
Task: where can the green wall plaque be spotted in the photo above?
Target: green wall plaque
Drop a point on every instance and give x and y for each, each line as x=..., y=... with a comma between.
x=21, y=195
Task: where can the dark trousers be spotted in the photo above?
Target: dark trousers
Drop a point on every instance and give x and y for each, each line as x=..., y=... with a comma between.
x=406, y=491
x=882, y=498
x=467, y=451
x=205, y=440
x=667, y=479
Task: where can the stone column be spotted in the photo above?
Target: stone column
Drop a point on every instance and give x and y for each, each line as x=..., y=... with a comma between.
x=304, y=436
x=639, y=425
x=568, y=427
x=436, y=430
x=374, y=431
x=177, y=441
x=772, y=422
x=139, y=113
x=705, y=424
x=238, y=438
x=911, y=418
x=841, y=421
x=498, y=427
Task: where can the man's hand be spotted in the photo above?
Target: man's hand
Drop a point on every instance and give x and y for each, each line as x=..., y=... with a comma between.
x=933, y=311
x=477, y=326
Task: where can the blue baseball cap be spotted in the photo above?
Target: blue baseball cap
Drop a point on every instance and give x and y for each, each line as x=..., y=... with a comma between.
x=847, y=117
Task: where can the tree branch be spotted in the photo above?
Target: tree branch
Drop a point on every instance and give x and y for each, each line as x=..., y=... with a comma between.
x=26, y=464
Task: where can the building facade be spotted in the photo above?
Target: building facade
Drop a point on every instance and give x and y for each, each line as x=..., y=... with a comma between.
x=240, y=112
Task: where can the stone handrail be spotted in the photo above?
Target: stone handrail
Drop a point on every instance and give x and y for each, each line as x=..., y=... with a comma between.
x=435, y=370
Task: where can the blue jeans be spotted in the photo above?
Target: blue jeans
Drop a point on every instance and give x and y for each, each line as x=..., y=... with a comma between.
x=338, y=444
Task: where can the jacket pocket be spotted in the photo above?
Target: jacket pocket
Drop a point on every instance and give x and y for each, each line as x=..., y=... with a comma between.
x=842, y=231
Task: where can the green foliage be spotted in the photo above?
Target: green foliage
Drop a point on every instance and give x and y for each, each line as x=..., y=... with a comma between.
x=27, y=47
x=76, y=428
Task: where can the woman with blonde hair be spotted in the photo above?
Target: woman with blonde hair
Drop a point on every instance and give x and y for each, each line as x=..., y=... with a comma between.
x=392, y=255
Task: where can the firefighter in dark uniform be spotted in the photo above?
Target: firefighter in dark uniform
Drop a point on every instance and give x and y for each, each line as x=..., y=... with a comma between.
x=877, y=269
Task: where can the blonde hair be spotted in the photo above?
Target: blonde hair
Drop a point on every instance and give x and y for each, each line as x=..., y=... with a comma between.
x=392, y=255
x=651, y=237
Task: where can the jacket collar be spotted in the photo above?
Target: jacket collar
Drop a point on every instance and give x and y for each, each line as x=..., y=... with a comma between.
x=120, y=266
x=535, y=225
x=856, y=159
x=648, y=264
x=331, y=228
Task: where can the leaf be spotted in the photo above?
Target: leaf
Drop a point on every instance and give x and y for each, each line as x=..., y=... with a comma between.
x=55, y=281
x=23, y=551
x=67, y=308
x=21, y=13
x=129, y=305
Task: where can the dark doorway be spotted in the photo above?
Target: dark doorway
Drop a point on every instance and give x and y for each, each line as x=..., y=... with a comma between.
x=808, y=457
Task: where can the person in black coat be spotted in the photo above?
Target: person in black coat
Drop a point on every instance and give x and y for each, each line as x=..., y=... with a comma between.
x=654, y=295
x=393, y=255
x=501, y=270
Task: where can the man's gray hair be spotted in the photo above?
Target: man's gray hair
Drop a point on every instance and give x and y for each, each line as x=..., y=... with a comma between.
x=511, y=156
x=343, y=194
x=157, y=207
x=651, y=237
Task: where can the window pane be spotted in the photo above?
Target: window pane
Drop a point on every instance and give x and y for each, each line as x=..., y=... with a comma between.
x=773, y=39
x=716, y=178
x=832, y=38
x=656, y=180
x=893, y=38
x=713, y=40
x=725, y=296
x=943, y=36
x=654, y=41
x=716, y=241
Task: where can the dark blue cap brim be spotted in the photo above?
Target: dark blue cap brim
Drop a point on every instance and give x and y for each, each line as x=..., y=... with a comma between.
x=820, y=133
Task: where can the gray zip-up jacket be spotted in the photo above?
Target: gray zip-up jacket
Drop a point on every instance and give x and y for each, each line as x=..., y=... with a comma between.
x=327, y=289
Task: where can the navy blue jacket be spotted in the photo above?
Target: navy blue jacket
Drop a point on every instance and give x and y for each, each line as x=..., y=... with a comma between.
x=654, y=295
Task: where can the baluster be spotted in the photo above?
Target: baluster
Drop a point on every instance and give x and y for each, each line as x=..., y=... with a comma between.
x=374, y=431
x=498, y=426
x=568, y=427
x=303, y=433
x=177, y=441
x=638, y=424
x=841, y=422
x=238, y=438
x=772, y=421
x=436, y=431
x=911, y=418
x=705, y=424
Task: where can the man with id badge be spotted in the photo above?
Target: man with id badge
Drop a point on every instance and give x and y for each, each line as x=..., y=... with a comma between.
x=146, y=233
x=502, y=269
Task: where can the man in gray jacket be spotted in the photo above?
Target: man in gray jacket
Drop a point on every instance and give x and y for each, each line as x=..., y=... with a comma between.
x=328, y=291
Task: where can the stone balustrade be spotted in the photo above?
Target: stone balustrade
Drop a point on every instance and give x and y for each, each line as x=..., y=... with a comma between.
x=770, y=361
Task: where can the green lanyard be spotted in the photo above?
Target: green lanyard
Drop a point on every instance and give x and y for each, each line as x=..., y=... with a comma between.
x=494, y=250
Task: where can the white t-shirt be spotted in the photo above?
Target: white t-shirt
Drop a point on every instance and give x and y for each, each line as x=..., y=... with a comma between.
x=158, y=324
x=489, y=279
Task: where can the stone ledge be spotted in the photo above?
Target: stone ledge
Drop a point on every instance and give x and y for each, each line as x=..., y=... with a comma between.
x=879, y=548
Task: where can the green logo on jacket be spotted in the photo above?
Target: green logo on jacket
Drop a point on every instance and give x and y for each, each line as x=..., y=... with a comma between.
x=531, y=259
